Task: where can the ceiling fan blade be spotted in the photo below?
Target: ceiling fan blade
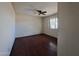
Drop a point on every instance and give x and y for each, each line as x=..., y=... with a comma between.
x=35, y=11
x=44, y=12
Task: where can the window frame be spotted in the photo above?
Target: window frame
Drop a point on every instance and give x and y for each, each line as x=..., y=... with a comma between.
x=56, y=22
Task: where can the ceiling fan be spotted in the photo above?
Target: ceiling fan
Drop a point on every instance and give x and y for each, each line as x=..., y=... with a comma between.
x=41, y=12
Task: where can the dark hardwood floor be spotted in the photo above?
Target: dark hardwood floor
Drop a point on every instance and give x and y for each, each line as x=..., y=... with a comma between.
x=36, y=45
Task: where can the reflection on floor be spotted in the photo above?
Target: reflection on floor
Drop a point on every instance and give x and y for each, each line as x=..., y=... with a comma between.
x=36, y=45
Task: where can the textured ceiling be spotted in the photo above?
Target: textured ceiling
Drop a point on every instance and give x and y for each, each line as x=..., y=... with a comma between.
x=29, y=8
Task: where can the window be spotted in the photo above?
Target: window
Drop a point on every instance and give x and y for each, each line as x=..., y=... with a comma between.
x=54, y=23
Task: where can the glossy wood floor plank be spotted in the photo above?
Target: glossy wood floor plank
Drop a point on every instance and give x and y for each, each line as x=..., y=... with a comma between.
x=36, y=45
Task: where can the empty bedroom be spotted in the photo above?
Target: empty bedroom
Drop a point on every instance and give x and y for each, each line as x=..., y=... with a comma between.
x=35, y=28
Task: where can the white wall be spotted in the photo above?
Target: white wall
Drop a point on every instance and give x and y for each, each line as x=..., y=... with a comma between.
x=7, y=26
x=68, y=37
x=46, y=27
x=27, y=25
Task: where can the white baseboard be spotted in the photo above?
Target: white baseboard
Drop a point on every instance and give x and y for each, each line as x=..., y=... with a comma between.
x=27, y=35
